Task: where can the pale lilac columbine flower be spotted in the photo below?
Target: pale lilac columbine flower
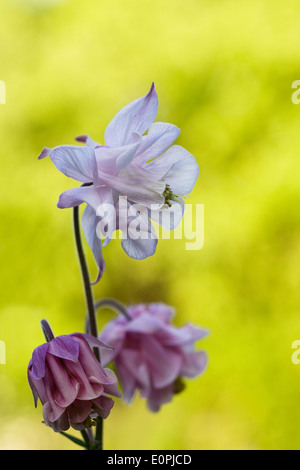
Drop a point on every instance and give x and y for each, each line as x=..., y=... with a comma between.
x=151, y=355
x=70, y=382
x=138, y=175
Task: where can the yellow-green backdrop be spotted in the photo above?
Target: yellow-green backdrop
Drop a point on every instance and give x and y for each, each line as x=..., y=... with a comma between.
x=224, y=72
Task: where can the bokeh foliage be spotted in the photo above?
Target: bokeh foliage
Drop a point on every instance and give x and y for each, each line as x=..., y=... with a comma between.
x=223, y=71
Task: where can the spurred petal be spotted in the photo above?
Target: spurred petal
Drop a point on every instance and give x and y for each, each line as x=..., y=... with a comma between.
x=74, y=161
x=88, y=141
x=44, y=153
x=137, y=116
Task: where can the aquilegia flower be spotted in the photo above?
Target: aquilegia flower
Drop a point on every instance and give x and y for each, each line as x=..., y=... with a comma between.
x=151, y=355
x=70, y=382
x=141, y=177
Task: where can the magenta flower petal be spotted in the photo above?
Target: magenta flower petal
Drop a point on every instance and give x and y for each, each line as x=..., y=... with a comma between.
x=151, y=355
x=128, y=380
x=134, y=117
x=131, y=366
x=79, y=410
x=194, y=363
x=91, y=366
x=145, y=323
x=67, y=378
x=164, y=363
x=91, y=340
x=185, y=335
x=38, y=361
x=51, y=417
x=159, y=397
x=103, y=405
x=64, y=347
x=60, y=424
x=65, y=387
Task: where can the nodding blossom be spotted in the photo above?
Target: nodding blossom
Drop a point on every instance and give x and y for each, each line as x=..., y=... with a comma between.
x=70, y=382
x=151, y=355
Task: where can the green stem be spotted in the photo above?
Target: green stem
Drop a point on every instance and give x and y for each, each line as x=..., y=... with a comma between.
x=114, y=305
x=85, y=275
x=89, y=300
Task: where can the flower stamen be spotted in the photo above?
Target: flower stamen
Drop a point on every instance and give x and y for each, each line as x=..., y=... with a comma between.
x=170, y=196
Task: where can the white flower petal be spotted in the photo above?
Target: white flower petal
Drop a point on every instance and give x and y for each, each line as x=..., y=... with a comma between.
x=169, y=217
x=134, y=117
x=159, y=137
x=178, y=168
x=74, y=161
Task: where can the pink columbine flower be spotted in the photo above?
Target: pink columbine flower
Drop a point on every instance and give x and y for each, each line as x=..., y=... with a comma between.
x=151, y=355
x=140, y=175
x=70, y=382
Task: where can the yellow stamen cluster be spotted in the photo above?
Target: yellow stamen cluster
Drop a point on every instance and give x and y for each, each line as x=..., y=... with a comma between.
x=170, y=196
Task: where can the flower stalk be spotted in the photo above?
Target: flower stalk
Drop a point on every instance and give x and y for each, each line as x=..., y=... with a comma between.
x=90, y=307
x=86, y=278
x=113, y=305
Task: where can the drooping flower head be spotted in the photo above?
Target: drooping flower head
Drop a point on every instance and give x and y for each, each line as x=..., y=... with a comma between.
x=151, y=355
x=140, y=176
x=70, y=382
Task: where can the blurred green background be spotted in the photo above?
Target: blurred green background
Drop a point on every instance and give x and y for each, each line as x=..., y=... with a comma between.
x=223, y=72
